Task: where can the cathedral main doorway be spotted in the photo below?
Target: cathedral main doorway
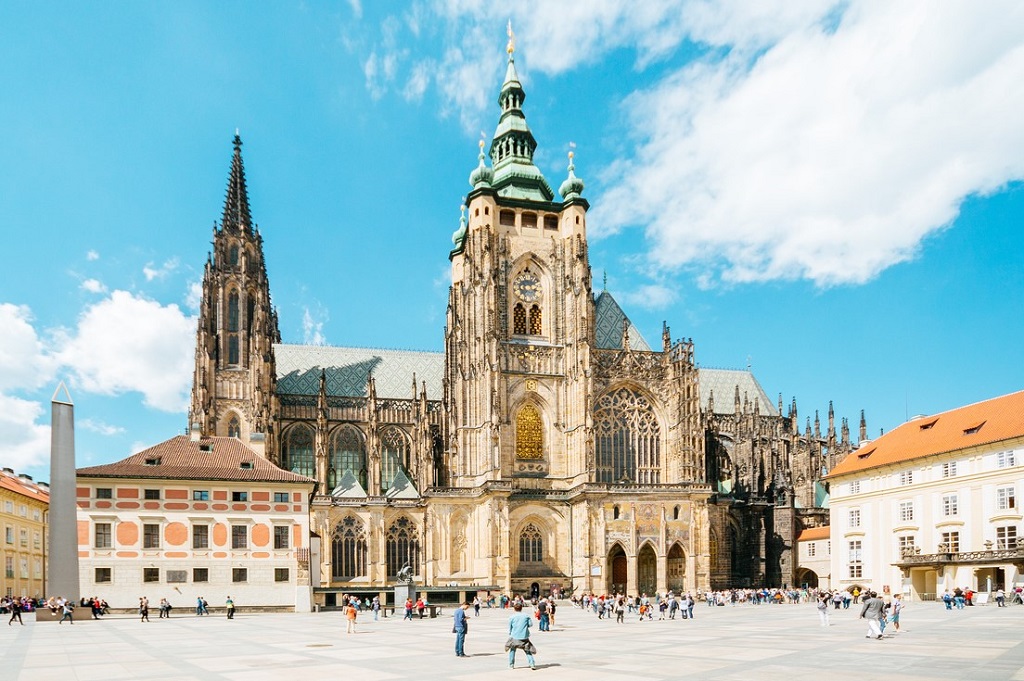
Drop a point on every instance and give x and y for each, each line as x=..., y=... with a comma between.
x=676, y=569
x=618, y=571
x=647, y=571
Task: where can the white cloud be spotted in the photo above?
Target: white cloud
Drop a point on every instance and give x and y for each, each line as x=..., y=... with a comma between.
x=138, y=446
x=194, y=296
x=26, y=442
x=92, y=255
x=100, y=427
x=128, y=343
x=313, y=327
x=835, y=153
x=651, y=297
x=93, y=286
x=151, y=272
x=25, y=362
x=418, y=81
x=357, y=8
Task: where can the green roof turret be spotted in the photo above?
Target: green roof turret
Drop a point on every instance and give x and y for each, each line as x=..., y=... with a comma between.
x=573, y=186
x=481, y=176
x=459, y=235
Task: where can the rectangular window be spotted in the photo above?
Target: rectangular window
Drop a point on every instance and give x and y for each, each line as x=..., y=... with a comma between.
x=1006, y=537
x=150, y=574
x=24, y=511
x=856, y=567
x=37, y=540
x=280, y=537
x=104, y=493
x=855, y=487
x=1005, y=459
x=905, y=545
x=151, y=536
x=200, y=495
x=8, y=507
x=949, y=469
x=906, y=478
x=906, y=511
x=239, y=575
x=811, y=549
x=950, y=505
x=24, y=538
x=280, y=497
x=280, y=574
x=151, y=494
x=103, y=575
x=200, y=574
x=200, y=536
x=239, y=537
x=9, y=535
x=1006, y=498
x=950, y=542
x=177, y=576
x=239, y=496
x=103, y=536
x=9, y=566
x=854, y=517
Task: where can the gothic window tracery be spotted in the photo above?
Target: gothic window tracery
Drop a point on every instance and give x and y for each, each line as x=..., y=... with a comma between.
x=233, y=256
x=529, y=433
x=233, y=350
x=394, y=455
x=536, y=323
x=234, y=427
x=627, y=438
x=347, y=454
x=531, y=545
x=519, y=320
x=298, y=451
x=402, y=546
x=348, y=549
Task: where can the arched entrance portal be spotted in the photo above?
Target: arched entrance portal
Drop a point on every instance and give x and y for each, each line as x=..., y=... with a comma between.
x=535, y=590
x=808, y=579
x=617, y=570
x=676, y=569
x=647, y=571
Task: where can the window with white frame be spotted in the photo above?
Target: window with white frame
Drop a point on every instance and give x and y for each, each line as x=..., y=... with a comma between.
x=905, y=544
x=906, y=478
x=854, y=517
x=951, y=542
x=855, y=487
x=811, y=549
x=855, y=566
x=1006, y=459
x=949, y=469
x=1006, y=537
x=906, y=511
x=1006, y=498
x=950, y=505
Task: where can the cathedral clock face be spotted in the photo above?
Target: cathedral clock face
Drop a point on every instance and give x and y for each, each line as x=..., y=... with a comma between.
x=527, y=287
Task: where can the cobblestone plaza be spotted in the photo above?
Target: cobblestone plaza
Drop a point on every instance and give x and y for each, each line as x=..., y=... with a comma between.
x=723, y=643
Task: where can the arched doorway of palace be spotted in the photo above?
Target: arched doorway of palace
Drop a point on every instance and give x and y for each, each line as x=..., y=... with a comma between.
x=617, y=570
x=806, y=578
x=647, y=570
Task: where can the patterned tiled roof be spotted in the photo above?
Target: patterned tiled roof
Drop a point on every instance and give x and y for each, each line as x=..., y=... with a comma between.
x=608, y=325
x=724, y=381
x=982, y=423
x=25, y=488
x=814, y=533
x=181, y=458
x=349, y=370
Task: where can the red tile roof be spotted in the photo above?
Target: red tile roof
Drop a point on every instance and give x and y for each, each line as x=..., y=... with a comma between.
x=181, y=458
x=26, y=488
x=983, y=423
x=813, y=533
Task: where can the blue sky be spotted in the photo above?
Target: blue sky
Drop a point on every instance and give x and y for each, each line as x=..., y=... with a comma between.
x=830, y=192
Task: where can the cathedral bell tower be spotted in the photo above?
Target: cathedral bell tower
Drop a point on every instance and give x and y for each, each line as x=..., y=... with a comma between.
x=520, y=326
x=234, y=383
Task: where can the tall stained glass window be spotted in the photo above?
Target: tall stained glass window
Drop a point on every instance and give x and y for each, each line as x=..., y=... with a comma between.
x=348, y=549
x=298, y=451
x=348, y=453
x=627, y=438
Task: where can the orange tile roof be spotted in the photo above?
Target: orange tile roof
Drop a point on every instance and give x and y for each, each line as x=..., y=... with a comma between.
x=180, y=458
x=812, y=533
x=26, y=488
x=982, y=423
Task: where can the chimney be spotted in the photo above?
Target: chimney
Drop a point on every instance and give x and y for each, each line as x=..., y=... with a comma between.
x=193, y=432
x=258, y=444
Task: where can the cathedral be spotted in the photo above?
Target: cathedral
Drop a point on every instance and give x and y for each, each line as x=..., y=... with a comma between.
x=549, y=446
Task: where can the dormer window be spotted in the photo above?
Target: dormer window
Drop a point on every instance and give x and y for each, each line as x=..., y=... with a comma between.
x=153, y=461
x=245, y=465
x=206, y=447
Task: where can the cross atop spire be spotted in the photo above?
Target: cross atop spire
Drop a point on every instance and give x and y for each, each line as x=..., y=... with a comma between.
x=511, y=48
x=236, y=202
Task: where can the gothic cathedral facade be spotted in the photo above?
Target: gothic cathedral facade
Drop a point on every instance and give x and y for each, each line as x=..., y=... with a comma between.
x=548, y=446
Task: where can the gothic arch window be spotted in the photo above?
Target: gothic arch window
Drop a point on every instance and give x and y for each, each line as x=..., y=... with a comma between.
x=628, y=438
x=394, y=455
x=529, y=433
x=348, y=549
x=298, y=451
x=402, y=546
x=615, y=512
x=519, y=320
x=233, y=350
x=675, y=513
x=250, y=310
x=233, y=255
x=531, y=545
x=536, y=325
x=347, y=454
x=234, y=426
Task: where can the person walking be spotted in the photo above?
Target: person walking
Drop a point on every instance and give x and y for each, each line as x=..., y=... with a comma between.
x=542, y=619
x=1000, y=598
x=476, y=606
x=375, y=606
x=68, y=609
x=460, y=629
x=873, y=611
x=351, y=612
x=519, y=636
x=143, y=609
x=230, y=605
x=15, y=612
x=823, y=600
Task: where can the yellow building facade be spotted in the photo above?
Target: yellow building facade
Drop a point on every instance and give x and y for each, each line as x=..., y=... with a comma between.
x=23, y=515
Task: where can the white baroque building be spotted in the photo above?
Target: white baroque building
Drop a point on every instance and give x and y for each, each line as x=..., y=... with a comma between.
x=934, y=504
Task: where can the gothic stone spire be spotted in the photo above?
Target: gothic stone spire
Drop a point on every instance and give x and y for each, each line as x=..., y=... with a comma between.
x=236, y=202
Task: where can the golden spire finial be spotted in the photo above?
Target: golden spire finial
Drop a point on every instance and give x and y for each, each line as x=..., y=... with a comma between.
x=511, y=39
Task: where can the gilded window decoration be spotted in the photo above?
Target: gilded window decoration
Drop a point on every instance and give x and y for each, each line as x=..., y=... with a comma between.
x=394, y=455
x=519, y=320
x=531, y=545
x=628, y=439
x=402, y=546
x=298, y=451
x=347, y=454
x=536, y=323
x=348, y=549
x=529, y=433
